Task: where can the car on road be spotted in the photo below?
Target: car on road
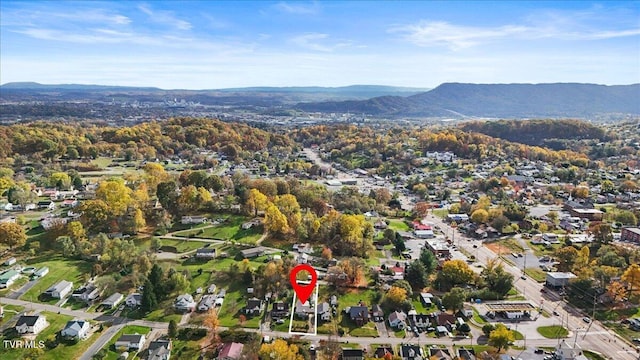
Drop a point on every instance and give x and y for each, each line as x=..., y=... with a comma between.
x=475, y=245
x=538, y=351
x=586, y=319
x=556, y=313
x=523, y=277
x=636, y=340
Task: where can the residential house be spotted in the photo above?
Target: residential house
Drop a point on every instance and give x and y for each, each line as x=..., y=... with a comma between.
x=189, y=220
x=46, y=205
x=41, y=272
x=630, y=234
x=352, y=354
x=383, y=352
x=254, y=307
x=112, y=301
x=249, y=224
x=253, y=252
x=398, y=320
x=76, y=329
x=31, y=324
x=51, y=222
x=303, y=310
x=160, y=350
x=8, y=277
x=324, y=312
x=427, y=299
x=207, y=302
x=184, y=303
x=87, y=293
x=445, y=319
x=70, y=203
x=566, y=351
x=133, y=300
x=130, y=342
x=436, y=353
x=421, y=320
x=230, y=351
x=10, y=261
x=279, y=309
x=59, y=290
x=377, y=314
x=411, y=352
x=206, y=253
x=466, y=354
x=358, y=314
x=211, y=289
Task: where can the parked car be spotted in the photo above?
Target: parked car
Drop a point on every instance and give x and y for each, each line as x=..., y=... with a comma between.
x=556, y=313
x=586, y=319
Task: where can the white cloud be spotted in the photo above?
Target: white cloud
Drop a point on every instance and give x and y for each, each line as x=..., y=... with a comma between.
x=165, y=18
x=550, y=25
x=311, y=42
x=298, y=8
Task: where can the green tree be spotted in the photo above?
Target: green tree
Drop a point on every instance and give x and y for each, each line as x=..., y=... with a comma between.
x=156, y=278
x=497, y=279
x=454, y=299
x=428, y=260
x=417, y=275
x=480, y=216
x=12, y=234
x=501, y=337
x=488, y=328
x=149, y=301
x=173, y=329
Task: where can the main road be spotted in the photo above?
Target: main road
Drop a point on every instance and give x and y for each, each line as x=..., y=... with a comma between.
x=593, y=336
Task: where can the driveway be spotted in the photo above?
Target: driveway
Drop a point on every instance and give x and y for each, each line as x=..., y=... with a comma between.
x=26, y=287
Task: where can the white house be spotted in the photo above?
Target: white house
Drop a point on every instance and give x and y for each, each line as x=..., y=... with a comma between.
x=206, y=253
x=41, y=272
x=184, y=303
x=59, y=290
x=112, y=301
x=130, y=342
x=8, y=277
x=10, y=261
x=31, y=324
x=187, y=220
x=86, y=293
x=133, y=300
x=76, y=329
x=398, y=320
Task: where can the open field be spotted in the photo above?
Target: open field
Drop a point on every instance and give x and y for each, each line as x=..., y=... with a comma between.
x=77, y=271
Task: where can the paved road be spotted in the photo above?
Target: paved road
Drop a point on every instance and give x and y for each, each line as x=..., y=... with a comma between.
x=104, y=338
x=594, y=337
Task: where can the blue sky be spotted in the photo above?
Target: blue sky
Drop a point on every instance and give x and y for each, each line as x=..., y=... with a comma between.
x=221, y=44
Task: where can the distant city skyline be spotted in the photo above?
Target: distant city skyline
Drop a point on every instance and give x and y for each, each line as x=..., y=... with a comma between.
x=224, y=44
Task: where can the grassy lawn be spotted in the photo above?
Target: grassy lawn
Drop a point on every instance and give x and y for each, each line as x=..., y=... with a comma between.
x=617, y=314
x=553, y=332
x=15, y=286
x=183, y=245
x=62, y=350
x=511, y=244
x=593, y=356
x=518, y=335
x=234, y=303
x=477, y=318
x=187, y=350
x=229, y=230
x=541, y=250
x=113, y=353
x=77, y=271
x=441, y=213
x=399, y=333
x=536, y=274
x=398, y=225
x=367, y=330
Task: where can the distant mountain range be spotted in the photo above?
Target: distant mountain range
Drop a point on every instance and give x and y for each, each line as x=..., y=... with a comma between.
x=278, y=95
x=449, y=100
x=459, y=100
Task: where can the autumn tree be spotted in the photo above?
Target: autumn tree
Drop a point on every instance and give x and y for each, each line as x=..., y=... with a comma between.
x=256, y=201
x=632, y=277
x=421, y=209
x=326, y=253
x=275, y=221
x=356, y=234
x=279, y=350
x=501, y=337
x=212, y=323
x=616, y=291
x=497, y=279
x=566, y=257
x=95, y=215
x=116, y=195
x=454, y=272
x=480, y=216
x=12, y=234
x=289, y=207
x=353, y=267
x=454, y=299
x=60, y=180
x=396, y=297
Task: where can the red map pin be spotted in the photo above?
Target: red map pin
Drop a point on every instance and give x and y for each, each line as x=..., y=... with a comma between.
x=303, y=292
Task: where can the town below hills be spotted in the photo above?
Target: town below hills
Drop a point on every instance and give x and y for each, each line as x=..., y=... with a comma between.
x=447, y=101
